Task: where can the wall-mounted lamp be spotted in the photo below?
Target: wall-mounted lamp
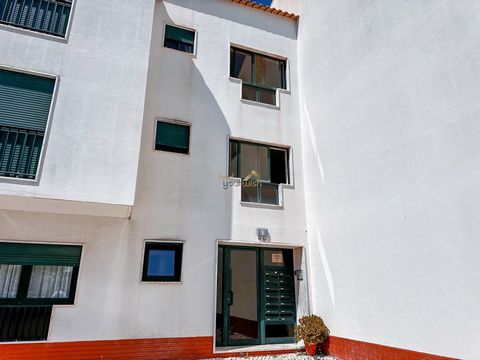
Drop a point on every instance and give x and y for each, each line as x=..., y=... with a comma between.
x=299, y=274
x=262, y=234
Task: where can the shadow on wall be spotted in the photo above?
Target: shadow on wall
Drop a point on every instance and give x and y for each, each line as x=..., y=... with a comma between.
x=181, y=196
x=242, y=15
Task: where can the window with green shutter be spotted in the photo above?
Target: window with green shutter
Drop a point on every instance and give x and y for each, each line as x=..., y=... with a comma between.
x=33, y=278
x=179, y=39
x=45, y=16
x=25, y=102
x=172, y=137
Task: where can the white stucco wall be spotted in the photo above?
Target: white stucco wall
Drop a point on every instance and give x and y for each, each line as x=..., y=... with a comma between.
x=293, y=6
x=180, y=197
x=390, y=117
x=92, y=149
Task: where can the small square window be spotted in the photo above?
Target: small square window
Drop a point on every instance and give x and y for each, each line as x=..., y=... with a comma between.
x=162, y=261
x=172, y=137
x=179, y=39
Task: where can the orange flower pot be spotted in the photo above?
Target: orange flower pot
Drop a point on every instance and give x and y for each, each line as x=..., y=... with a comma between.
x=311, y=349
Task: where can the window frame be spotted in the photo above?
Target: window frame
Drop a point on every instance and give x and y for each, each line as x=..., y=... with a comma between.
x=195, y=34
x=175, y=122
x=22, y=298
x=42, y=34
x=177, y=246
x=53, y=102
x=286, y=149
x=252, y=83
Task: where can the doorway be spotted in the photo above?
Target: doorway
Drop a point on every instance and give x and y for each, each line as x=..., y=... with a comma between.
x=255, y=296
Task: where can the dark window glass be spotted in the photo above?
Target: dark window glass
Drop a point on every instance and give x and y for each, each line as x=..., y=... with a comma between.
x=262, y=169
x=261, y=75
x=172, y=137
x=162, y=261
x=33, y=278
x=179, y=39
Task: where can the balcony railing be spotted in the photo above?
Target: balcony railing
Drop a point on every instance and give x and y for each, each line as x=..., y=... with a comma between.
x=46, y=16
x=24, y=322
x=19, y=152
x=261, y=192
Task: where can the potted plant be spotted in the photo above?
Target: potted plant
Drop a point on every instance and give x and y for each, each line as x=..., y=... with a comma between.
x=313, y=331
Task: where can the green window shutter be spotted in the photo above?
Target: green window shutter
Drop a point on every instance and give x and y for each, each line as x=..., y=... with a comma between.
x=179, y=34
x=39, y=254
x=172, y=137
x=25, y=100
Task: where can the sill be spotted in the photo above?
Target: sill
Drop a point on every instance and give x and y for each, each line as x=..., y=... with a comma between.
x=256, y=103
x=33, y=33
x=261, y=205
x=19, y=181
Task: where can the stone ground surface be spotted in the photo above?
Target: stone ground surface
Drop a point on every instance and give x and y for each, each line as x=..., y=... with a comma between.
x=297, y=356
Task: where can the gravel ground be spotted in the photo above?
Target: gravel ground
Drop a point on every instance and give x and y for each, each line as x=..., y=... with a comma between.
x=298, y=356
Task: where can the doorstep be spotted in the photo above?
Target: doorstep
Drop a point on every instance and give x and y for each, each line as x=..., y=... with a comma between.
x=257, y=348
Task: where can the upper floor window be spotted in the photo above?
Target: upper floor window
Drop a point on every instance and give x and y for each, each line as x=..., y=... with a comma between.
x=162, y=261
x=172, y=136
x=179, y=39
x=261, y=75
x=33, y=278
x=25, y=102
x=261, y=167
x=45, y=16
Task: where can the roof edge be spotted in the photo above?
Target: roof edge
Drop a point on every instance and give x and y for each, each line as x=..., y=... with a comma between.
x=268, y=9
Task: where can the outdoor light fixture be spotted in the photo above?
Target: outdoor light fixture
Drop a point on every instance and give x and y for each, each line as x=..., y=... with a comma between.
x=262, y=234
x=299, y=274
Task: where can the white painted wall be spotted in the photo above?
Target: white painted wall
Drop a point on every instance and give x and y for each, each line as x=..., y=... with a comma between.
x=293, y=6
x=390, y=117
x=179, y=197
x=94, y=137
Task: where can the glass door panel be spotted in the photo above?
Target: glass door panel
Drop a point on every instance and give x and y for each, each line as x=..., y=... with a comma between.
x=242, y=297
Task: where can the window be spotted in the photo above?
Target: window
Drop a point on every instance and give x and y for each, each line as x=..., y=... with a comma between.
x=174, y=137
x=261, y=167
x=179, y=39
x=261, y=75
x=25, y=102
x=33, y=278
x=162, y=261
x=45, y=16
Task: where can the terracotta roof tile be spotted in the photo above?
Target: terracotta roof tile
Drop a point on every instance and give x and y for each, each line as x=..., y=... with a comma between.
x=269, y=9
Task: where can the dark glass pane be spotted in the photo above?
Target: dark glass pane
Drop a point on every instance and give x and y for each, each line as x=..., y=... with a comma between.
x=268, y=194
x=268, y=72
x=281, y=330
x=242, y=66
x=219, y=313
x=254, y=162
x=179, y=34
x=267, y=96
x=177, y=45
x=249, y=93
x=249, y=192
x=234, y=157
x=172, y=137
x=278, y=171
x=161, y=263
x=243, y=295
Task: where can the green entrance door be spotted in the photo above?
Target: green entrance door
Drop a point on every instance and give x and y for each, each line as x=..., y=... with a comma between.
x=255, y=296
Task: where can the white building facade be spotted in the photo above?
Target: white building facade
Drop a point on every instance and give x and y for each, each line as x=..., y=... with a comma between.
x=180, y=179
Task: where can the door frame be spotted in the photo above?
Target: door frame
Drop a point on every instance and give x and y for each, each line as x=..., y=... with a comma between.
x=226, y=284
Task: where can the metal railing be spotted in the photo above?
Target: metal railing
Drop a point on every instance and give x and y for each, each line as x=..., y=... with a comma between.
x=19, y=152
x=46, y=16
x=24, y=322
